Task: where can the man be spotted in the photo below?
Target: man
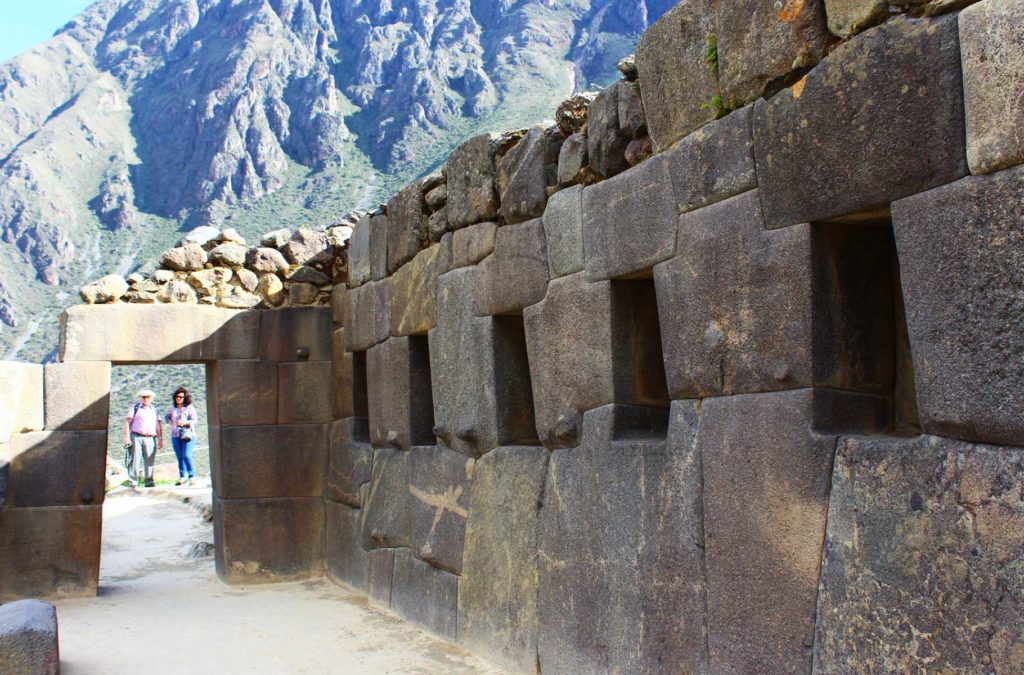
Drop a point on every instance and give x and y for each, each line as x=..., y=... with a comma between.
x=143, y=435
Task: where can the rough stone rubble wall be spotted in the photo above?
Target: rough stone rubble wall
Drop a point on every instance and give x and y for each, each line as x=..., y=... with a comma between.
x=752, y=403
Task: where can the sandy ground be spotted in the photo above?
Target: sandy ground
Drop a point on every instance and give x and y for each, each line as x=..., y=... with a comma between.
x=162, y=610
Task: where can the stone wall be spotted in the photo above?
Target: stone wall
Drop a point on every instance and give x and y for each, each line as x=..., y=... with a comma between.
x=720, y=372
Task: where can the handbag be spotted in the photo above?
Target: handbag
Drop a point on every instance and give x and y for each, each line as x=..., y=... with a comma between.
x=185, y=433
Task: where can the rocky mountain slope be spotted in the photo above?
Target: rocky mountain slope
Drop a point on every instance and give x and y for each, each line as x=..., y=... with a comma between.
x=144, y=117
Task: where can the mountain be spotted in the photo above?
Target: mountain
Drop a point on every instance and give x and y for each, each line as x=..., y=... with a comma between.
x=141, y=118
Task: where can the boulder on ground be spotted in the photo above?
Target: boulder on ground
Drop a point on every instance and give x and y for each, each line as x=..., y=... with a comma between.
x=28, y=638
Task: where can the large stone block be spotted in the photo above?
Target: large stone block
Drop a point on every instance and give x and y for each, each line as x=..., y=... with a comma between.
x=526, y=171
x=367, y=320
x=629, y=222
x=760, y=43
x=245, y=391
x=412, y=294
x=993, y=59
x=621, y=544
x=563, y=231
x=924, y=559
x=304, y=392
x=472, y=244
x=77, y=395
x=407, y=224
x=440, y=486
x=606, y=140
x=268, y=540
x=28, y=638
x=745, y=309
x=343, y=394
x=270, y=461
x=346, y=559
x=351, y=461
x=385, y=520
x=359, y=253
x=767, y=465
x=338, y=304
x=51, y=552
x=382, y=575
x=57, y=468
x=400, y=406
x=498, y=615
x=879, y=119
x=961, y=251
x=677, y=82
x=23, y=402
x=378, y=247
x=591, y=344
x=133, y=333
x=296, y=334
x=472, y=182
x=516, y=274
x=713, y=163
x=425, y=595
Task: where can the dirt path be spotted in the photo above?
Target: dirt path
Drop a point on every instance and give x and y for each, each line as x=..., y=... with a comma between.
x=160, y=610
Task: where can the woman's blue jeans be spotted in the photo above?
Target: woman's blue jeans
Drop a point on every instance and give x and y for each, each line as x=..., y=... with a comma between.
x=184, y=450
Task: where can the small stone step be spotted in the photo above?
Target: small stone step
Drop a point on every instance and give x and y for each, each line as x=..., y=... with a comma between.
x=28, y=638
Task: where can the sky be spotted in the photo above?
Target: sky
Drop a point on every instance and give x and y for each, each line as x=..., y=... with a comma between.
x=25, y=23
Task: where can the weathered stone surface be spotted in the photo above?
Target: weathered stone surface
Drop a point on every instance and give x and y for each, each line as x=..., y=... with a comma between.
x=351, y=461
x=460, y=366
x=28, y=638
x=265, y=260
x=993, y=59
x=638, y=150
x=296, y=334
x=571, y=114
x=301, y=294
x=338, y=304
x=631, y=109
x=629, y=222
x=57, y=468
x=382, y=575
x=516, y=274
x=676, y=81
x=276, y=238
x=621, y=543
x=304, y=392
x=744, y=309
x=440, y=486
x=271, y=289
x=407, y=224
x=228, y=255
x=49, y=552
x=713, y=163
x=879, y=119
x=411, y=294
x=399, y=399
x=22, y=384
x=107, y=289
x=308, y=247
x=270, y=461
x=563, y=232
x=498, y=614
x=268, y=540
x=308, y=275
x=146, y=333
x=245, y=391
x=425, y=595
x=760, y=43
x=385, y=521
x=343, y=388
x=367, y=320
x=437, y=197
x=473, y=244
x=961, y=251
x=178, y=292
x=359, y=253
x=187, y=258
x=526, y=171
x=572, y=160
x=767, y=465
x=606, y=141
x=378, y=247
x=346, y=560
x=923, y=558
x=77, y=395
x=472, y=182
x=846, y=18
x=437, y=224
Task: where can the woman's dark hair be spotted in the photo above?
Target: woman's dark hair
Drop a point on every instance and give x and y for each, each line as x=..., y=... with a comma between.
x=181, y=390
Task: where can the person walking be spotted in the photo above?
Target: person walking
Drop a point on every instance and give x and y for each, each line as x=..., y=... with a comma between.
x=143, y=436
x=183, y=419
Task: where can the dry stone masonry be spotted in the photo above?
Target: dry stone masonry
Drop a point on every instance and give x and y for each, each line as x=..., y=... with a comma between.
x=720, y=372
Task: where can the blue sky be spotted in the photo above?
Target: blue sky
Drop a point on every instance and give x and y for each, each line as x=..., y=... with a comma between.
x=24, y=23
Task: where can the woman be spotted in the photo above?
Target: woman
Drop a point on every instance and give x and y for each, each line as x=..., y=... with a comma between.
x=183, y=419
